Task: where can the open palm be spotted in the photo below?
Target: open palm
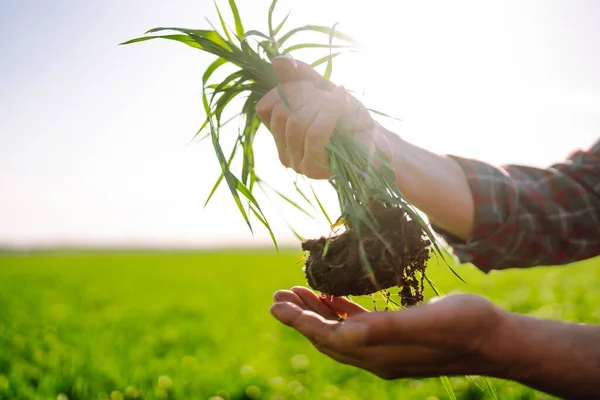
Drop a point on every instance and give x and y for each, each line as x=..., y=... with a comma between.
x=450, y=335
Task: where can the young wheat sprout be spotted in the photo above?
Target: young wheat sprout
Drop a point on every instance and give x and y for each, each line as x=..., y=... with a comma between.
x=364, y=181
x=385, y=243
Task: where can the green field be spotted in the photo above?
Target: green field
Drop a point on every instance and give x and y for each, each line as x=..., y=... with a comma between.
x=197, y=325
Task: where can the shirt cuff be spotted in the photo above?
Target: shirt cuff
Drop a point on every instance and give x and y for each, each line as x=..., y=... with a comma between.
x=494, y=226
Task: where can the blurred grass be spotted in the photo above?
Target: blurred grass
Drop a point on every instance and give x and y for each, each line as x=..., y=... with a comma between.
x=196, y=325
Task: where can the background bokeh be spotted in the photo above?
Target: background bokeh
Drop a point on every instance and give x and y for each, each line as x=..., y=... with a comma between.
x=116, y=282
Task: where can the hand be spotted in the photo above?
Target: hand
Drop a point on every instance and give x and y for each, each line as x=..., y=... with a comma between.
x=301, y=135
x=451, y=335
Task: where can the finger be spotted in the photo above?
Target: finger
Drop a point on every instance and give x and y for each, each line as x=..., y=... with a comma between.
x=283, y=296
x=318, y=134
x=288, y=69
x=278, y=124
x=294, y=140
x=313, y=301
x=328, y=351
x=296, y=132
x=310, y=324
x=344, y=307
x=265, y=106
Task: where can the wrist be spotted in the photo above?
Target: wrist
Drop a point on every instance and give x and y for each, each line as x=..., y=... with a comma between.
x=556, y=357
x=501, y=353
x=388, y=142
x=519, y=351
x=424, y=178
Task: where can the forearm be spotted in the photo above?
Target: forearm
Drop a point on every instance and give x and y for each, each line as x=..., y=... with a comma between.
x=435, y=184
x=559, y=358
x=510, y=216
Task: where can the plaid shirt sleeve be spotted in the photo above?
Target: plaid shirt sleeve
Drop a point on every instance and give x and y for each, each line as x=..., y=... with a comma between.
x=527, y=216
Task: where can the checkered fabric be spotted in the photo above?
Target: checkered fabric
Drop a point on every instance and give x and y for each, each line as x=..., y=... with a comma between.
x=526, y=216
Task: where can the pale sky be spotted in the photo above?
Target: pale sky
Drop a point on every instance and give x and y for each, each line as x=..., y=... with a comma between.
x=94, y=136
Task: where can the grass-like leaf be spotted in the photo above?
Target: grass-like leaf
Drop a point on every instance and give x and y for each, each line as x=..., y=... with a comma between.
x=359, y=176
x=216, y=185
x=233, y=187
x=295, y=232
x=324, y=59
x=319, y=29
x=448, y=386
x=239, y=28
x=207, y=36
x=270, y=18
x=223, y=25
x=288, y=200
x=327, y=74
x=302, y=46
x=356, y=178
x=383, y=114
x=211, y=69
x=321, y=206
x=281, y=24
x=255, y=33
x=185, y=39
x=263, y=221
x=303, y=195
x=488, y=382
x=284, y=98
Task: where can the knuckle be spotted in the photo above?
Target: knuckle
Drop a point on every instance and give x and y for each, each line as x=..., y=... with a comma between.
x=309, y=169
x=277, y=109
x=284, y=159
x=305, y=167
x=292, y=160
x=294, y=130
x=280, y=112
x=262, y=109
x=294, y=122
x=295, y=165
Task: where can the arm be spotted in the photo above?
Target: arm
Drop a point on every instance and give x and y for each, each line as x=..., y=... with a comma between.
x=425, y=178
x=453, y=335
x=493, y=217
x=555, y=357
x=506, y=217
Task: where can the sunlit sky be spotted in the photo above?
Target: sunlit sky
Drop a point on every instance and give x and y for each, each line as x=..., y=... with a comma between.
x=95, y=137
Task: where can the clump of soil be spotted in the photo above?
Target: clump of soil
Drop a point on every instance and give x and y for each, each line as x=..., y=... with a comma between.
x=396, y=253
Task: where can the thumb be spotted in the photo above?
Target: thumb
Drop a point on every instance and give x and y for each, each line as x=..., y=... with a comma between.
x=288, y=69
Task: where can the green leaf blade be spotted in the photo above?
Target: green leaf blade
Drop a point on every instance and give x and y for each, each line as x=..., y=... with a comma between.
x=328, y=69
x=239, y=28
x=448, y=386
x=319, y=29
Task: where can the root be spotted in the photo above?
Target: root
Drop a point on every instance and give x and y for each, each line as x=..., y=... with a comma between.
x=397, y=255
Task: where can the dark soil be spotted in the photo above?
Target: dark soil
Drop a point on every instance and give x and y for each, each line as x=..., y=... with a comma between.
x=396, y=254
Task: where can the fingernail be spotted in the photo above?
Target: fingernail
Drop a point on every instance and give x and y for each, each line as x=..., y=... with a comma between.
x=275, y=310
x=283, y=311
x=285, y=58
